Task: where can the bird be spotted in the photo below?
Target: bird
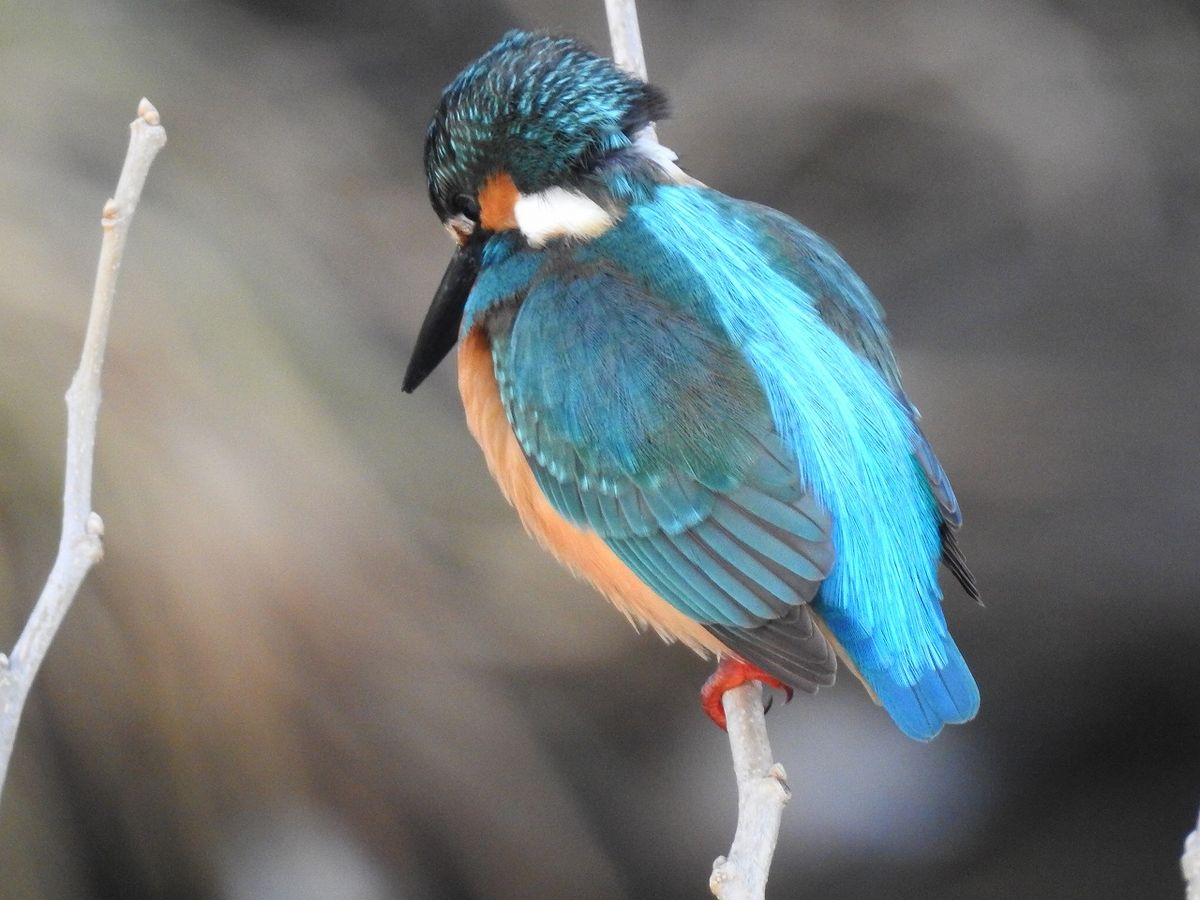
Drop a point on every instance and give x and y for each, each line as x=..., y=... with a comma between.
x=691, y=400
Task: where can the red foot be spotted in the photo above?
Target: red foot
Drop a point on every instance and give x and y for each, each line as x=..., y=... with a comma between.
x=732, y=673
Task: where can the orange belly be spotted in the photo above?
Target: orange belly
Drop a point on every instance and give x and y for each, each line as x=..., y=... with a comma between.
x=582, y=552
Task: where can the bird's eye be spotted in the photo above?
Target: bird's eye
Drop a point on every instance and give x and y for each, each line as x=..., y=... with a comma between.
x=466, y=205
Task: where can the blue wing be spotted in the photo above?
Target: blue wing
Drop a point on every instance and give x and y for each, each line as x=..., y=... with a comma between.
x=644, y=424
x=848, y=308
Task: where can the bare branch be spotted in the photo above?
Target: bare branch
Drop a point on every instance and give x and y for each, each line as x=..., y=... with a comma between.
x=626, y=36
x=81, y=544
x=1191, y=864
x=762, y=793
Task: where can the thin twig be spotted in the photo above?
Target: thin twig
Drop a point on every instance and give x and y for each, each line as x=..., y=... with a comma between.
x=762, y=784
x=626, y=36
x=81, y=544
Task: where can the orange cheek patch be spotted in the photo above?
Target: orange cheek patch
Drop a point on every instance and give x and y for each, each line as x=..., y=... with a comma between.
x=497, y=198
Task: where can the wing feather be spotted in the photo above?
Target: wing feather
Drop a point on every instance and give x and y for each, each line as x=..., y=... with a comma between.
x=848, y=308
x=643, y=424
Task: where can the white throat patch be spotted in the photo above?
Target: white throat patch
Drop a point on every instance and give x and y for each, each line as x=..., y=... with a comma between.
x=557, y=212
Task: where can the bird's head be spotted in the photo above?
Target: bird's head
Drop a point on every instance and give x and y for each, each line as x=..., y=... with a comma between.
x=533, y=113
x=513, y=139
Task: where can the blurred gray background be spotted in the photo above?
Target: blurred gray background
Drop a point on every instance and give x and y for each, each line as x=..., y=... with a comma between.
x=321, y=658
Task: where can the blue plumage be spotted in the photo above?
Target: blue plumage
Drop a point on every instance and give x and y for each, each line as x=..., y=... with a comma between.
x=708, y=387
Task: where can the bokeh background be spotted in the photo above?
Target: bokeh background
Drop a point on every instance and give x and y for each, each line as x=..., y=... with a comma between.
x=321, y=659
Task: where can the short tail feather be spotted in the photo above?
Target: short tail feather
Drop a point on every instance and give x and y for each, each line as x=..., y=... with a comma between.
x=943, y=696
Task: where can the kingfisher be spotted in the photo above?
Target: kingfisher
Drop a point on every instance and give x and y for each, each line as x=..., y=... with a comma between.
x=691, y=400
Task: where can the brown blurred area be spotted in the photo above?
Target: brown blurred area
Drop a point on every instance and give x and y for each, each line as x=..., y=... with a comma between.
x=321, y=659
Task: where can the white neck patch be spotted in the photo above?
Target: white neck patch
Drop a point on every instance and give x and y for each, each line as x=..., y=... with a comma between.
x=557, y=212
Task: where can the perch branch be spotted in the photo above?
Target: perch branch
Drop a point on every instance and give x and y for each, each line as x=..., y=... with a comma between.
x=762, y=784
x=762, y=793
x=81, y=544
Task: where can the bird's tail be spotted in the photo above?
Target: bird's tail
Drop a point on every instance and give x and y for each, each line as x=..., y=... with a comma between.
x=946, y=695
x=942, y=696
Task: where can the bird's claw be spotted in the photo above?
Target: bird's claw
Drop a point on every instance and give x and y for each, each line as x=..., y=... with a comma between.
x=733, y=673
x=788, y=694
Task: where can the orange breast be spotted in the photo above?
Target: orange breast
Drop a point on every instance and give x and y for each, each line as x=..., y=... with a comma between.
x=582, y=552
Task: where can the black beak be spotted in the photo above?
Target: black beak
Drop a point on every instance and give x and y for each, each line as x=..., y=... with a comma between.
x=439, y=331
